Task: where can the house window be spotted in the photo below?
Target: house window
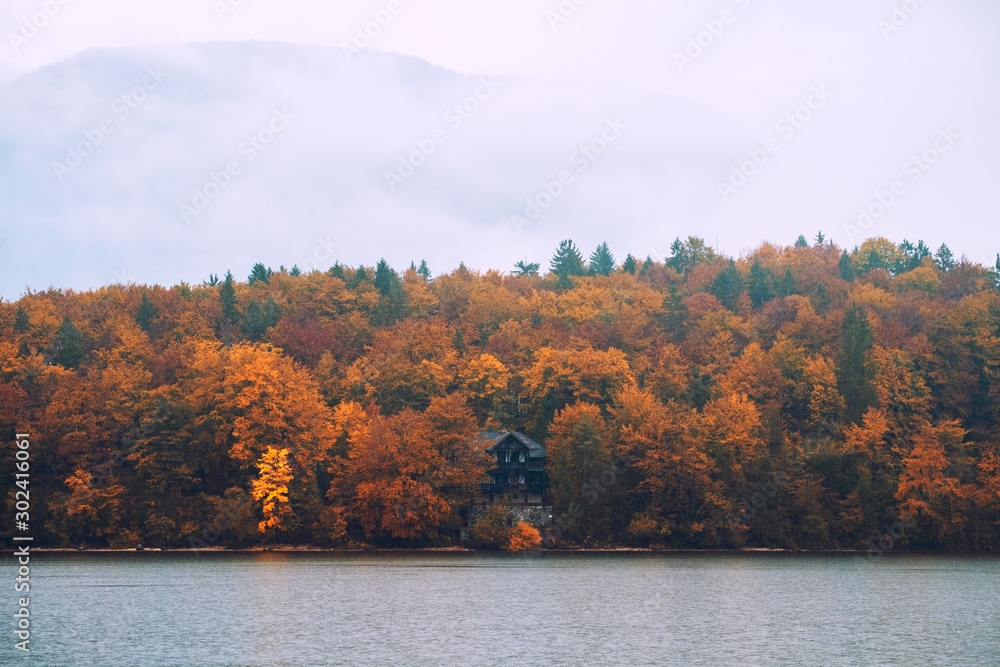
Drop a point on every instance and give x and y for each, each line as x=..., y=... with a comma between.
x=520, y=457
x=520, y=479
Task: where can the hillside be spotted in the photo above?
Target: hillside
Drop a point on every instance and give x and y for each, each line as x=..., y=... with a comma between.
x=797, y=397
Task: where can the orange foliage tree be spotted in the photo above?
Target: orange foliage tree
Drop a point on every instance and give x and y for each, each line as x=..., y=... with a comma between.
x=805, y=397
x=271, y=488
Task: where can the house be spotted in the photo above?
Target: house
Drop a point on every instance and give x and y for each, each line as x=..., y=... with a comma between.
x=518, y=479
x=520, y=467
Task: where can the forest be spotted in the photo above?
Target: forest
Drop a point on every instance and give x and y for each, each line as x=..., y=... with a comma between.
x=801, y=397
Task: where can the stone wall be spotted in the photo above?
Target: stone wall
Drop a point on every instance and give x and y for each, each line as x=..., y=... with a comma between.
x=535, y=515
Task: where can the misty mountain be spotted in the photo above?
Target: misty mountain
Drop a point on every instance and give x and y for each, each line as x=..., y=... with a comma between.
x=166, y=163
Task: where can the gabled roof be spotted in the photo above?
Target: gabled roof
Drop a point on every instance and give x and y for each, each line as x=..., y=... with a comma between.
x=493, y=439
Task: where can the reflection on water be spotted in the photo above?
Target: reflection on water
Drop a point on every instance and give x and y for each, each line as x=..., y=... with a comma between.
x=505, y=609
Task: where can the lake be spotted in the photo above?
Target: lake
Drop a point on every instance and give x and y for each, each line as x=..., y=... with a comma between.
x=401, y=609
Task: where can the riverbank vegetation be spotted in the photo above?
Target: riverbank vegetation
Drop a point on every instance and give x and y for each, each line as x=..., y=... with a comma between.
x=797, y=397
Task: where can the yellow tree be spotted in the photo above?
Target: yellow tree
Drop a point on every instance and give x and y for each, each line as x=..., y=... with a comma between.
x=668, y=476
x=91, y=415
x=266, y=400
x=524, y=536
x=27, y=383
x=877, y=253
x=406, y=366
x=390, y=475
x=229, y=406
x=667, y=374
x=826, y=405
x=485, y=380
x=901, y=393
x=581, y=470
x=987, y=497
x=349, y=421
x=867, y=456
x=92, y=510
x=926, y=492
x=731, y=428
x=580, y=373
x=869, y=438
x=453, y=434
x=755, y=376
x=271, y=487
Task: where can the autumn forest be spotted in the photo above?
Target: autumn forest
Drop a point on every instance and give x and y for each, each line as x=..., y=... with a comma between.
x=801, y=397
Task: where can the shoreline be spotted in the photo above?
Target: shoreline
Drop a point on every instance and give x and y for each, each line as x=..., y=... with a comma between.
x=465, y=550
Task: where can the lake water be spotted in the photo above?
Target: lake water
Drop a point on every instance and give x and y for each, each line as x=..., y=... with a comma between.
x=504, y=609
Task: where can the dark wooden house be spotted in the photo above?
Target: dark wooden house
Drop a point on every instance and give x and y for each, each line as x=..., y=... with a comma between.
x=519, y=469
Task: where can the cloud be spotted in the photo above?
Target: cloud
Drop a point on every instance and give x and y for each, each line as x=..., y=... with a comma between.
x=325, y=176
x=108, y=168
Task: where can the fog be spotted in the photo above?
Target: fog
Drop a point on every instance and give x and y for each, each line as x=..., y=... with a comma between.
x=631, y=123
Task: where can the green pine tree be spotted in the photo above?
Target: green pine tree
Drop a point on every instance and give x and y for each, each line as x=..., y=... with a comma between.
x=296, y=271
x=424, y=271
x=359, y=276
x=386, y=278
x=259, y=317
x=685, y=255
x=761, y=284
x=855, y=371
x=846, y=267
x=392, y=298
x=21, y=323
x=602, y=262
x=523, y=268
x=674, y=318
x=458, y=340
x=259, y=274
x=921, y=253
x=728, y=286
x=904, y=263
x=146, y=313
x=567, y=263
x=801, y=242
x=821, y=300
x=67, y=345
x=786, y=284
x=629, y=265
x=337, y=271
x=227, y=298
x=944, y=259
x=583, y=515
x=680, y=259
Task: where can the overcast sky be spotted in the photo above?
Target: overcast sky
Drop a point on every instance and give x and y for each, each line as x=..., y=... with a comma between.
x=888, y=95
